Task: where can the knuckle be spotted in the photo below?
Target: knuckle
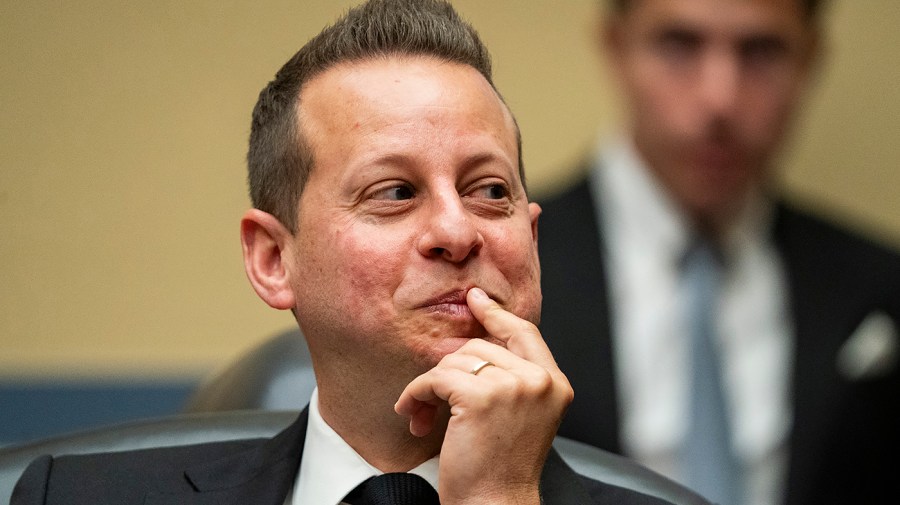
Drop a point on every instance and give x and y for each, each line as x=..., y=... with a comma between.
x=567, y=393
x=536, y=382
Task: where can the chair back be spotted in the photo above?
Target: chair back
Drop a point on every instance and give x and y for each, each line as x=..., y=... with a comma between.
x=275, y=375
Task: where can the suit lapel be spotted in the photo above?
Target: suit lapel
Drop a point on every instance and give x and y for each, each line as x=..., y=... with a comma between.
x=260, y=475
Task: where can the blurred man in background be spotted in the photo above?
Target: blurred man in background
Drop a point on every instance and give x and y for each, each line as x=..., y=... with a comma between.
x=710, y=329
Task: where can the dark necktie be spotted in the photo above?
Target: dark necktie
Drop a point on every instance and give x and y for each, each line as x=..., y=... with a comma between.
x=710, y=465
x=394, y=489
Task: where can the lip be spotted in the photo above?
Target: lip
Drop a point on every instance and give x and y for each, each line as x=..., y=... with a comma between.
x=457, y=297
x=451, y=303
x=717, y=155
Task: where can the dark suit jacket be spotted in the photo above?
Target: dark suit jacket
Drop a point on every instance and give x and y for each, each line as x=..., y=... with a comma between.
x=258, y=472
x=846, y=435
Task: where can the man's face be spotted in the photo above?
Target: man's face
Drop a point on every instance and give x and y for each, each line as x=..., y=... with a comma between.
x=711, y=86
x=414, y=198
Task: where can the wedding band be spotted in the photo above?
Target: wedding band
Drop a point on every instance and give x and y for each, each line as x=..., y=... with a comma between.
x=481, y=366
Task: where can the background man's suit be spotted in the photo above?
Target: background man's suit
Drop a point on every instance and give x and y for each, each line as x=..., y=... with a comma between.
x=846, y=432
x=259, y=471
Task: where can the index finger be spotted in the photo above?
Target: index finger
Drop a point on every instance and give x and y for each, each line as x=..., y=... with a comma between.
x=521, y=337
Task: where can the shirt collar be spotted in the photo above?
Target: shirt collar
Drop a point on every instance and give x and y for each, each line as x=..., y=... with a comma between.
x=638, y=209
x=635, y=207
x=330, y=468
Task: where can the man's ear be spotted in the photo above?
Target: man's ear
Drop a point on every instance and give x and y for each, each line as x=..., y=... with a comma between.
x=815, y=52
x=534, y=212
x=609, y=33
x=263, y=239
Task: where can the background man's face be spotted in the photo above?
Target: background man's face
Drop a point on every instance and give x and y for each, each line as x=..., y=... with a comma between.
x=711, y=86
x=414, y=197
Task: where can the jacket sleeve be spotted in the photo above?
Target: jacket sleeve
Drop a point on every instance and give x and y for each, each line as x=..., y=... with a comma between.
x=31, y=489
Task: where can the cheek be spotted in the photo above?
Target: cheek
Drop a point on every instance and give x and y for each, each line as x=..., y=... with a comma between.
x=770, y=104
x=767, y=118
x=518, y=261
x=661, y=113
x=662, y=97
x=369, y=267
x=778, y=117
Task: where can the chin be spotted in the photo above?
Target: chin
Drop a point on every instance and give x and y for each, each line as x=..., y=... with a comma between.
x=432, y=338
x=450, y=344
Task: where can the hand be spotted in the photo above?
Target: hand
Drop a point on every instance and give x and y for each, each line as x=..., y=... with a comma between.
x=502, y=420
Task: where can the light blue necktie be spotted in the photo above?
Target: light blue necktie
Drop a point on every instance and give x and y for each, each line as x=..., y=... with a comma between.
x=707, y=458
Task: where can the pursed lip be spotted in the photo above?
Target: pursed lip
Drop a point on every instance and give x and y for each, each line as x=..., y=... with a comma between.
x=451, y=303
x=457, y=296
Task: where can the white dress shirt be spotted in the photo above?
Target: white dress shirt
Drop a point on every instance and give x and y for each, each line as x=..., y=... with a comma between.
x=645, y=235
x=330, y=468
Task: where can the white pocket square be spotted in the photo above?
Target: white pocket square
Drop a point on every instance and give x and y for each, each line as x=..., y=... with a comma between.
x=873, y=349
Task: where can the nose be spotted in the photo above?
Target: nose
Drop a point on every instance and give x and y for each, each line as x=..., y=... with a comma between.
x=720, y=82
x=450, y=231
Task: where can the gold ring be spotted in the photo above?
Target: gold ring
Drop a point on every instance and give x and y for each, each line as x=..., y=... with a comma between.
x=481, y=366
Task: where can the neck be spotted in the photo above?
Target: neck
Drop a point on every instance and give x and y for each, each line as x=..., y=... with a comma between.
x=712, y=228
x=364, y=417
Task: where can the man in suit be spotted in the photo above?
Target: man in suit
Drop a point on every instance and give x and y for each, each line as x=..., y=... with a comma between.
x=802, y=314
x=390, y=215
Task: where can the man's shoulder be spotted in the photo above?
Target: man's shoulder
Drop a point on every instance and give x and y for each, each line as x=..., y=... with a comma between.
x=575, y=190
x=158, y=457
x=800, y=229
x=235, y=460
x=119, y=477
x=567, y=212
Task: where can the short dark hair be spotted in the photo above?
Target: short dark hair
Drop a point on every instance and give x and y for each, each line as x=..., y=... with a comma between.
x=279, y=159
x=810, y=7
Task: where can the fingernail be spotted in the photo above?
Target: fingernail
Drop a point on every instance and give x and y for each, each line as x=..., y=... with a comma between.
x=478, y=293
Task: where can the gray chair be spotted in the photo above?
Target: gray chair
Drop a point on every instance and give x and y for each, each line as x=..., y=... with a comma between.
x=278, y=375
x=275, y=375
x=207, y=427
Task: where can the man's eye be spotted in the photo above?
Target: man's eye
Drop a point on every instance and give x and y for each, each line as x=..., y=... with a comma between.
x=493, y=192
x=679, y=43
x=394, y=193
x=763, y=50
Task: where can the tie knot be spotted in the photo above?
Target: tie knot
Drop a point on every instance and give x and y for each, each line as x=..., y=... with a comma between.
x=702, y=265
x=702, y=251
x=394, y=489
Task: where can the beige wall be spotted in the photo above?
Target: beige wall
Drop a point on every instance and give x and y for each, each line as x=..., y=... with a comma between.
x=122, y=135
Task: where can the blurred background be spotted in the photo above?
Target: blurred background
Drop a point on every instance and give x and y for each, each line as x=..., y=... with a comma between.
x=123, y=131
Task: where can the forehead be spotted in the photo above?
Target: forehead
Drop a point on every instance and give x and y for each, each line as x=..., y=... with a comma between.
x=724, y=15
x=391, y=86
x=396, y=104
